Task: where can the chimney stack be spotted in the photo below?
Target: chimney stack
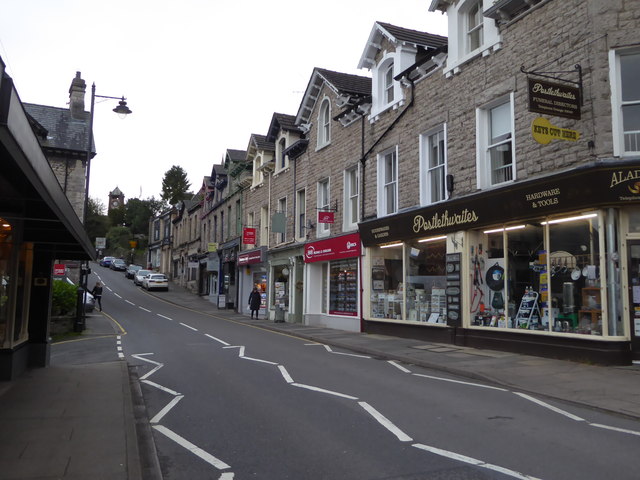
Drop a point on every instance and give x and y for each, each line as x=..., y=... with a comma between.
x=76, y=97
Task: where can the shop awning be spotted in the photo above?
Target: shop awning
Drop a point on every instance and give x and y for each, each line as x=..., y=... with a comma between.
x=29, y=190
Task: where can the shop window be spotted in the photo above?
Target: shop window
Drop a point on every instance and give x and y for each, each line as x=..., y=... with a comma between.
x=433, y=166
x=386, y=282
x=426, y=281
x=520, y=281
x=343, y=287
x=6, y=253
x=280, y=290
x=496, y=163
x=625, y=98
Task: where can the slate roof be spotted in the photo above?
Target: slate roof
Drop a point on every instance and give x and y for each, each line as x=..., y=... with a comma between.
x=236, y=155
x=414, y=37
x=62, y=131
x=262, y=143
x=116, y=192
x=282, y=121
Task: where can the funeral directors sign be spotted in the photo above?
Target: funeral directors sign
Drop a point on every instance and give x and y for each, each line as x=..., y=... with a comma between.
x=554, y=99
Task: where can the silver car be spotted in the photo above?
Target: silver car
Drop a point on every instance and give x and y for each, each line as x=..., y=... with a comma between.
x=155, y=281
x=139, y=276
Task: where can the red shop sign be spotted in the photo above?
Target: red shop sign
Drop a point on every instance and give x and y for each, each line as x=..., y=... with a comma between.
x=326, y=217
x=333, y=248
x=249, y=236
x=59, y=269
x=249, y=258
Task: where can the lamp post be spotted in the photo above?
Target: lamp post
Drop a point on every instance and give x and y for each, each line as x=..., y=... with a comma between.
x=122, y=110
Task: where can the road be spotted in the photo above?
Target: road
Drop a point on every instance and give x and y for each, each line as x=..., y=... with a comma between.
x=227, y=400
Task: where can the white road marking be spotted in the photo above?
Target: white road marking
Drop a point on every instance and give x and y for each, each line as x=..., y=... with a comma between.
x=164, y=389
x=166, y=409
x=550, y=407
x=471, y=384
x=328, y=349
x=240, y=351
x=399, y=367
x=473, y=461
x=285, y=374
x=118, y=342
x=120, y=355
x=615, y=429
x=189, y=326
x=207, y=457
x=119, y=348
x=322, y=390
x=226, y=476
x=117, y=295
x=216, y=339
x=164, y=317
x=145, y=309
x=259, y=360
x=385, y=422
x=130, y=303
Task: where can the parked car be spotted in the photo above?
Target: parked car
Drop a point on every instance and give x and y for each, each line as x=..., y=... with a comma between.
x=118, y=264
x=155, y=281
x=106, y=261
x=139, y=276
x=131, y=270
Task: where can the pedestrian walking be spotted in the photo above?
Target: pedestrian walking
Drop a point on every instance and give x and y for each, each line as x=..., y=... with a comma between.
x=255, y=299
x=97, y=294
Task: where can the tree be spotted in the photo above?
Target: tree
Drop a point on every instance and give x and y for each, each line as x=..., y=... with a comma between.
x=97, y=223
x=175, y=186
x=137, y=215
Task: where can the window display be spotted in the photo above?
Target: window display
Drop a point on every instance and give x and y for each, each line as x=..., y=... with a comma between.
x=343, y=298
x=518, y=284
x=409, y=282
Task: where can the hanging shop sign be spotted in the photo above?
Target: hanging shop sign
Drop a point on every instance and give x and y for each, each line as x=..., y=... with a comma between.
x=554, y=99
x=326, y=217
x=249, y=258
x=453, y=290
x=589, y=186
x=59, y=269
x=543, y=132
x=333, y=248
x=249, y=236
x=212, y=247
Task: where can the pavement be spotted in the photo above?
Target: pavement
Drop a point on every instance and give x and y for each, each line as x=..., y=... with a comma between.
x=88, y=421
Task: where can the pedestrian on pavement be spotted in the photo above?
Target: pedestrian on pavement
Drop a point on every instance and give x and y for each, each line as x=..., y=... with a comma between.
x=255, y=299
x=97, y=294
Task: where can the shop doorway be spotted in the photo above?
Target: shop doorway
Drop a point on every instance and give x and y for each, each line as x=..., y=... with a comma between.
x=634, y=296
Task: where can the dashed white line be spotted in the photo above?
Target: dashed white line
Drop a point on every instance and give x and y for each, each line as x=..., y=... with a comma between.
x=145, y=309
x=385, y=422
x=216, y=339
x=398, y=366
x=471, y=384
x=189, y=326
x=285, y=374
x=166, y=409
x=615, y=429
x=473, y=461
x=116, y=294
x=550, y=407
x=322, y=390
x=168, y=318
x=183, y=442
x=130, y=303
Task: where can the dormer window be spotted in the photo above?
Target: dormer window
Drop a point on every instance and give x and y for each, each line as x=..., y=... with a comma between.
x=258, y=176
x=324, y=124
x=474, y=25
x=281, y=159
x=388, y=83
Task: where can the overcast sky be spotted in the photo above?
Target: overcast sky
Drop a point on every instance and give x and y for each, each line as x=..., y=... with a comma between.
x=199, y=75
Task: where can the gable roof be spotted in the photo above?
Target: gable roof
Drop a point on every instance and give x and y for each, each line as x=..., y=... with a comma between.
x=282, y=121
x=236, y=155
x=399, y=36
x=58, y=130
x=260, y=142
x=344, y=84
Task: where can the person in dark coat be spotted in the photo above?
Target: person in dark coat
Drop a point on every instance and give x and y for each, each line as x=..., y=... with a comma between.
x=255, y=299
x=97, y=294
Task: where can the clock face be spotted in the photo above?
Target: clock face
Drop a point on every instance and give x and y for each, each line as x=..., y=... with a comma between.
x=114, y=203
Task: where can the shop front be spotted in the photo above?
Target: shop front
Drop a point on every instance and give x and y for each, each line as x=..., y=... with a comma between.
x=228, y=296
x=333, y=265
x=252, y=267
x=286, y=284
x=549, y=267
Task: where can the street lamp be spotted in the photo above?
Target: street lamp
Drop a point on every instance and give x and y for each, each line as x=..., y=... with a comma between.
x=122, y=110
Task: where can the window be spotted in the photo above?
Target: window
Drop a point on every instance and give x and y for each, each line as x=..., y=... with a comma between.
x=222, y=226
x=282, y=208
x=351, y=193
x=626, y=101
x=301, y=214
x=238, y=218
x=388, y=183
x=474, y=34
x=258, y=177
x=214, y=236
x=324, y=123
x=433, y=166
x=388, y=84
x=264, y=226
x=323, y=205
x=281, y=158
x=496, y=164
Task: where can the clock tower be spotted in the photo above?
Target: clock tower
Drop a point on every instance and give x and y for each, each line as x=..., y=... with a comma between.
x=116, y=199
